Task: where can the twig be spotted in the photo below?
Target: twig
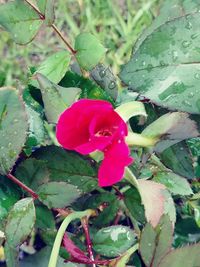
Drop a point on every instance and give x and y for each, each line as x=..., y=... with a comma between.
x=53, y=26
x=84, y=222
x=23, y=186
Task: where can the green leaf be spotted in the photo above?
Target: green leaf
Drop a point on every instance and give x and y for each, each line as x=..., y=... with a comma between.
x=174, y=183
x=17, y=15
x=152, y=195
x=165, y=68
x=32, y=173
x=57, y=194
x=13, y=127
x=155, y=243
x=69, y=167
x=89, y=50
x=169, y=11
x=108, y=214
x=88, y=87
x=41, y=259
x=9, y=195
x=174, y=127
x=147, y=243
x=19, y=225
x=113, y=241
x=187, y=256
x=44, y=218
x=54, y=67
x=56, y=98
x=134, y=204
x=104, y=77
x=179, y=159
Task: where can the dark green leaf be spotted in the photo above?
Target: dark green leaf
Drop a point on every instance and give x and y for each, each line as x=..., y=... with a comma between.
x=17, y=15
x=13, y=127
x=134, y=204
x=44, y=218
x=113, y=241
x=88, y=87
x=109, y=213
x=174, y=183
x=178, y=158
x=33, y=173
x=89, y=50
x=9, y=195
x=165, y=68
x=58, y=194
x=69, y=167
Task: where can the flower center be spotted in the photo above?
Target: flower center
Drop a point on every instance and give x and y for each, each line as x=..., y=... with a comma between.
x=104, y=132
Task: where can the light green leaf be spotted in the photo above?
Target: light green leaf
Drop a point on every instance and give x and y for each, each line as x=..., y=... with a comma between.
x=174, y=127
x=17, y=15
x=13, y=127
x=187, y=256
x=54, y=67
x=174, y=183
x=165, y=68
x=19, y=225
x=44, y=218
x=113, y=241
x=58, y=194
x=89, y=50
x=56, y=98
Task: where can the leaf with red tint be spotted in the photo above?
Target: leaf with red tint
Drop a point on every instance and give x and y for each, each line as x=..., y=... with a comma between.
x=153, y=200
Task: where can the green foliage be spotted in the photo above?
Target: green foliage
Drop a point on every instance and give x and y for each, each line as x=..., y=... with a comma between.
x=19, y=225
x=159, y=197
x=13, y=128
x=24, y=18
x=166, y=51
x=89, y=51
x=113, y=241
x=57, y=194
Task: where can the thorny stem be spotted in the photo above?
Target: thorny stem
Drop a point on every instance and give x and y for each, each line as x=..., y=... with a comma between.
x=61, y=231
x=53, y=26
x=84, y=222
x=23, y=186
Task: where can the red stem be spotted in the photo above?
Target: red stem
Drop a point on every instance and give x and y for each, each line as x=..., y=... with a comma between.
x=23, y=186
x=84, y=222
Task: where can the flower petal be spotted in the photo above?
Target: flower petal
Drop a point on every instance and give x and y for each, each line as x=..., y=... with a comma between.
x=73, y=125
x=115, y=160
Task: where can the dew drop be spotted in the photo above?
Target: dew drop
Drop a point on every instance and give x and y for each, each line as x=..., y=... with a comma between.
x=186, y=44
x=188, y=25
x=191, y=95
x=111, y=85
x=186, y=103
x=143, y=63
x=102, y=73
x=194, y=36
x=149, y=244
x=197, y=76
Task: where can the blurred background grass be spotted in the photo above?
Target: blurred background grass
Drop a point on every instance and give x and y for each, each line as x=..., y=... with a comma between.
x=117, y=23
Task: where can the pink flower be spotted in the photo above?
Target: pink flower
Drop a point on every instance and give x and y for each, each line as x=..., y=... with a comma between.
x=90, y=125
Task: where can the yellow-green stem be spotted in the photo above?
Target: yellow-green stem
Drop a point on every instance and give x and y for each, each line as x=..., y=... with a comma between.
x=134, y=139
x=57, y=243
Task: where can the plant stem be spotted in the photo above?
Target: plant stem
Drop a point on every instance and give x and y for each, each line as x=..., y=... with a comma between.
x=61, y=231
x=53, y=26
x=23, y=186
x=134, y=139
x=42, y=17
x=84, y=222
x=63, y=39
